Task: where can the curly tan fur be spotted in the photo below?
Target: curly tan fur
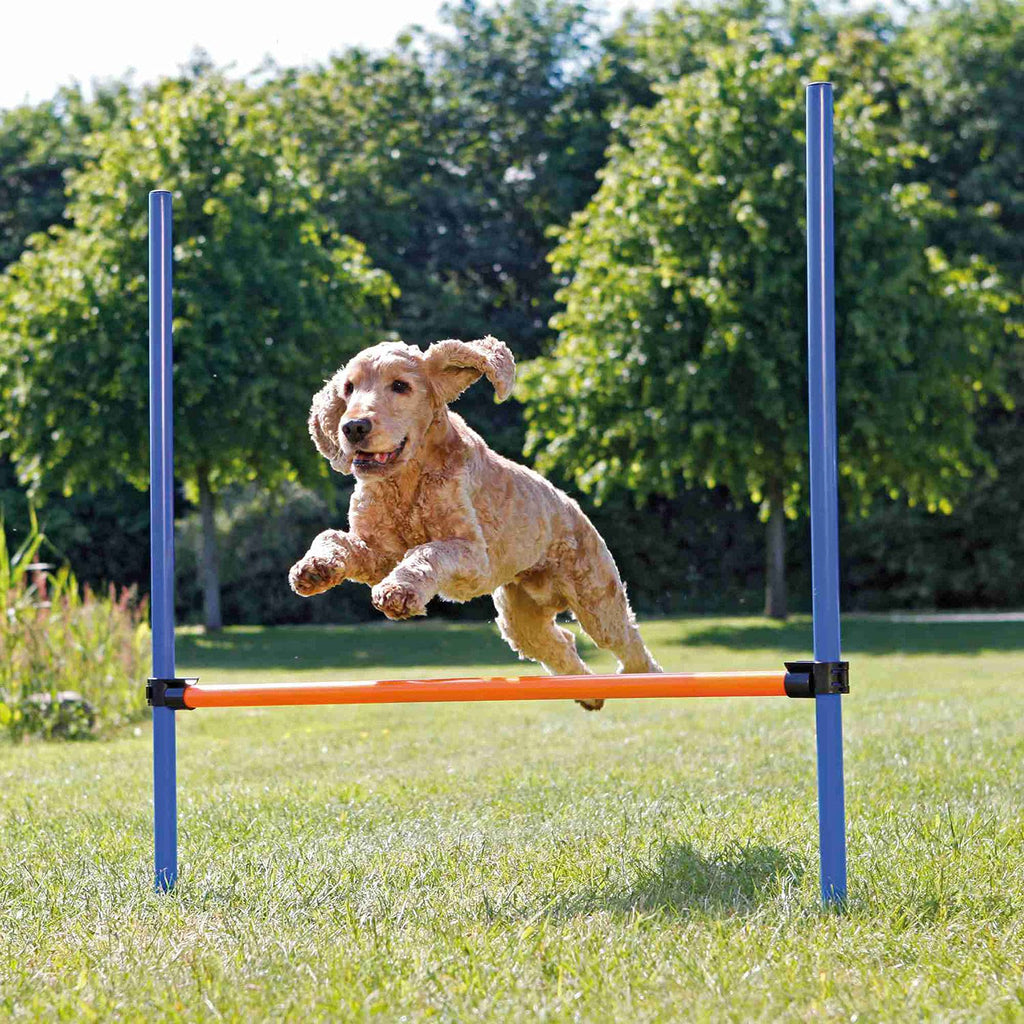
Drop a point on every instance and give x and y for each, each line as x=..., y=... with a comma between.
x=436, y=512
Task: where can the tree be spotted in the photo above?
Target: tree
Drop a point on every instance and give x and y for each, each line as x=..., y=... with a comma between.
x=34, y=154
x=451, y=155
x=964, y=71
x=267, y=300
x=38, y=146
x=961, y=66
x=681, y=347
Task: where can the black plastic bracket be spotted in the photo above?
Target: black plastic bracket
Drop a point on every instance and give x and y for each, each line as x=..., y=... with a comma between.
x=813, y=678
x=168, y=693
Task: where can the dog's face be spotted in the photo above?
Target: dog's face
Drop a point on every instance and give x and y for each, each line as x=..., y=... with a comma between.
x=373, y=416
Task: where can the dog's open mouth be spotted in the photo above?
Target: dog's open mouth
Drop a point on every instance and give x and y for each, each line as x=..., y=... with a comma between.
x=377, y=460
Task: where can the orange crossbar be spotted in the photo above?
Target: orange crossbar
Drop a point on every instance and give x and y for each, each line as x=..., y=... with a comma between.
x=416, y=691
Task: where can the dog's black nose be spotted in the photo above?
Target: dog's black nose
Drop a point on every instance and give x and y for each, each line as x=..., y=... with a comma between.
x=356, y=430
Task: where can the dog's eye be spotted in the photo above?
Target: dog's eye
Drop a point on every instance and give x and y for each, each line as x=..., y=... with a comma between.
x=400, y=387
x=348, y=388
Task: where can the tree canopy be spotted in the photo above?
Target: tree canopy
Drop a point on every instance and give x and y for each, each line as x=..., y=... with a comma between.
x=38, y=145
x=447, y=162
x=964, y=72
x=680, y=356
x=267, y=300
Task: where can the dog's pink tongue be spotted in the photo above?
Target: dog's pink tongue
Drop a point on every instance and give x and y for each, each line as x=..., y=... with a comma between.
x=381, y=456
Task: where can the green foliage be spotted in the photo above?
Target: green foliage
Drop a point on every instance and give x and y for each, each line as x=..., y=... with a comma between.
x=267, y=300
x=34, y=154
x=648, y=52
x=38, y=146
x=963, y=65
x=69, y=660
x=681, y=349
x=450, y=156
x=695, y=552
x=900, y=557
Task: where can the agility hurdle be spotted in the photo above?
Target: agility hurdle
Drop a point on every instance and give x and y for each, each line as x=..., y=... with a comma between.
x=190, y=694
x=824, y=679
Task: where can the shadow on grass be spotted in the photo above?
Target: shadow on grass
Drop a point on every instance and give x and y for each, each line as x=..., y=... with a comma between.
x=866, y=636
x=681, y=882
x=685, y=881
x=390, y=645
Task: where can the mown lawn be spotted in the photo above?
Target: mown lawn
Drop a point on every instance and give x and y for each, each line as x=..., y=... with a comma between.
x=656, y=861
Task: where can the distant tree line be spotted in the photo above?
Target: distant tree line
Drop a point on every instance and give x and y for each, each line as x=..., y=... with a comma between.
x=625, y=209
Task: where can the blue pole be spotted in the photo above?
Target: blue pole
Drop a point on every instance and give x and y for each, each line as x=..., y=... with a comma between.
x=821, y=357
x=161, y=533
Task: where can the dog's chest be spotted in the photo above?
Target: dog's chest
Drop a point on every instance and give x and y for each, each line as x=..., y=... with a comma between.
x=410, y=528
x=393, y=521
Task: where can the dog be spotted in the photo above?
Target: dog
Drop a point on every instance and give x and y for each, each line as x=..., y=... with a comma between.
x=436, y=512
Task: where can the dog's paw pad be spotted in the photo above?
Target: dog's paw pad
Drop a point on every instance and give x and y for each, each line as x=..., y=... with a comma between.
x=397, y=600
x=310, y=577
x=591, y=704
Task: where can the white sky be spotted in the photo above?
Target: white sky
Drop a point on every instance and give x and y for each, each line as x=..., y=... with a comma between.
x=48, y=43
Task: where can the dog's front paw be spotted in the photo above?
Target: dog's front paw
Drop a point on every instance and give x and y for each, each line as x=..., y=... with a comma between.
x=397, y=600
x=591, y=704
x=312, y=575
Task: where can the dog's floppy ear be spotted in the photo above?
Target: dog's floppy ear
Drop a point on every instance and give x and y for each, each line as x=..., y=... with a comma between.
x=454, y=365
x=324, y=419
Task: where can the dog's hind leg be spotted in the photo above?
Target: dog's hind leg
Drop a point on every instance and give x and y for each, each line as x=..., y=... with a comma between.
x=530, y=630
x=598, y=600
x=609, y=623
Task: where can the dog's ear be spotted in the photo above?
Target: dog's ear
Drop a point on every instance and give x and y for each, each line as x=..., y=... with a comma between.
x=454, y=365
x=324, y=419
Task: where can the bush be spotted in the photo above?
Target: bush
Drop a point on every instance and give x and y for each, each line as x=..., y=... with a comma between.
x=71, y=662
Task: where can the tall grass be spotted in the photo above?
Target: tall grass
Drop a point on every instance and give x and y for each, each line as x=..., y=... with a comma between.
x=72, y=662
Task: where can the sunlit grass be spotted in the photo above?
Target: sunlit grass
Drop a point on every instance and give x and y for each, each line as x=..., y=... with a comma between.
x=656, y=861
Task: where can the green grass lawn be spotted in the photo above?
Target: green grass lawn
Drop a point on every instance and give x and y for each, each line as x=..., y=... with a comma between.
x=656, y=861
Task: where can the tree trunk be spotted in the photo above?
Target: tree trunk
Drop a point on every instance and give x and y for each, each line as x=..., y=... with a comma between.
x=209, y=569
x=775, y=604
